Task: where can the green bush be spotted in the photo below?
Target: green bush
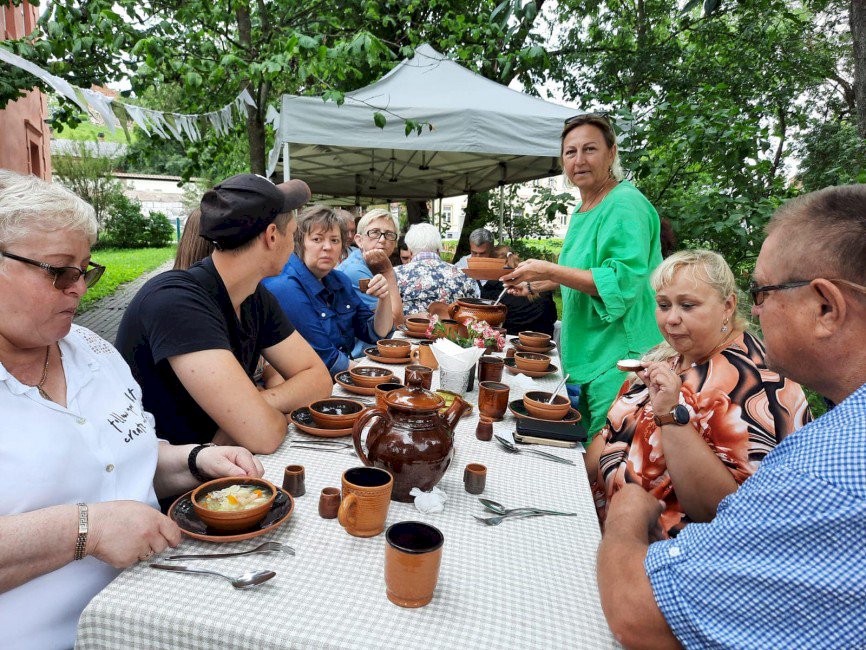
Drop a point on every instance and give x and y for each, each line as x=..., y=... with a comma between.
x=128, y=227
x=159, y=231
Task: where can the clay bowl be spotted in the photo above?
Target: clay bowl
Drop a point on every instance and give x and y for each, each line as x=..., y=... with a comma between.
x=531, y=361
x=417, y=325
x=536, y=405
x=370, y=376
x=480, y=309
x=335, y=412
x=485, y=262
x=534, y=339
x=394, y=348
x=238, y=520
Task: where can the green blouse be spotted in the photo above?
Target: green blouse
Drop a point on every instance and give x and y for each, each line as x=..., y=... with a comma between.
x=618, y=241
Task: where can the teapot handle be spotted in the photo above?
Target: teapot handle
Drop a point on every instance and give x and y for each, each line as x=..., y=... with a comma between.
x=358, y=427
x=452, y=309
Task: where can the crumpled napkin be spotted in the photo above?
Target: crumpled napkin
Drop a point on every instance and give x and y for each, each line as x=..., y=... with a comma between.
x=452, y=357
x=521, y=384
x=431, y=502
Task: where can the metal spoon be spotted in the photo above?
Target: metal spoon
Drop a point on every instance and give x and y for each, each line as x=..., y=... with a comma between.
x=495, y=521
x=500, y=509
x=558, y=388
x=514, y=449
x=245, y=581
x=500, y=296
x=267, y=547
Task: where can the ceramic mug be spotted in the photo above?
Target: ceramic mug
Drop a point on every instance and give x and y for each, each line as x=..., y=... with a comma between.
x=412, y=558
x=329, y=503
x=293, y=480
x=422, y=375
x=475, y=478
x=382, y=389
x=364, y=284
x=490, y=368
x=366, y=497
x=424, y=356
x=493, y=399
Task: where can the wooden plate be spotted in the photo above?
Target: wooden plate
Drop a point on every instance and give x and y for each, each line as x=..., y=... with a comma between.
x=517, y=345
x=372, y=355
x=302, y=419
x=345, y=380
x=519, y=410
x=182, y=513
x=487, y=274
x=514, y=370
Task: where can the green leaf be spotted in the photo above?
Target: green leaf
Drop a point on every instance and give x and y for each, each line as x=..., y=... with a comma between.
x=379, y=120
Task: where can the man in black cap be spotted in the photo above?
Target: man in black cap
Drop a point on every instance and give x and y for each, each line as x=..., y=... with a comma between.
x=194, y=338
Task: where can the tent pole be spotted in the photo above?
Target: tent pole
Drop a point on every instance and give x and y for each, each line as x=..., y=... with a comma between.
x=287, y=163
x=501, y=210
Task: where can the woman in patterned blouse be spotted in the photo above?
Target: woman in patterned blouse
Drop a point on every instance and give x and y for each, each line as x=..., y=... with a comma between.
x=705, y=410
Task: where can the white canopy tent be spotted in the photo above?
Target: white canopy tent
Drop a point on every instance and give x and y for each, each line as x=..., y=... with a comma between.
x=484, y=135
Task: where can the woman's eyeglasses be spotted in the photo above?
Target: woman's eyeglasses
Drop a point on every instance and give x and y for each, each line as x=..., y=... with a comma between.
x=64, y=276
x=389, y=235
x=759, y=293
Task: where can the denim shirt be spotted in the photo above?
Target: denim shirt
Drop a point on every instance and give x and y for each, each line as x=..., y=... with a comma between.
x=328, y=314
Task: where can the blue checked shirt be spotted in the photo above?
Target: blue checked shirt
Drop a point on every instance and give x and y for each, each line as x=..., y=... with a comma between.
x=783, y=564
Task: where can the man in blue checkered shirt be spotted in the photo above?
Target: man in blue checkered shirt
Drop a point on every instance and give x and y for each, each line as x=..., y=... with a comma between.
x=783, y=564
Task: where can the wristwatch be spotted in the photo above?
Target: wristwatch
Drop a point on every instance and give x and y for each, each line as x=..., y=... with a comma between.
x=679, y=415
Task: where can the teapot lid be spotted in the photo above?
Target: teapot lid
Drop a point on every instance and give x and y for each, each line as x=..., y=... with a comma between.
x=414, y=398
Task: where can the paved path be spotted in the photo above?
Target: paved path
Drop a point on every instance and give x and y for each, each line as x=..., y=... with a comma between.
x=104, y=317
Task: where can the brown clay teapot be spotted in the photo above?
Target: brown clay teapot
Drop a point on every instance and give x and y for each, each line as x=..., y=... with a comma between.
x=478, y=308
x=411, y=439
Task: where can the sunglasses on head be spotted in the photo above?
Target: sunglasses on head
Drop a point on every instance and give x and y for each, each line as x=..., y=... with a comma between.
x=64, y=276
x=582, y=116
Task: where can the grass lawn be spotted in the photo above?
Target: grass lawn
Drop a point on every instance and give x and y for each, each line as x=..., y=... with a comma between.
x=123, y=265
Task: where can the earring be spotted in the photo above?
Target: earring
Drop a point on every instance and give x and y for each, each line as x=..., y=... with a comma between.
x=725, y=326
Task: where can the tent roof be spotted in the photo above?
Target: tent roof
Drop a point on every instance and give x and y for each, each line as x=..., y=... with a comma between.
x=483, y=133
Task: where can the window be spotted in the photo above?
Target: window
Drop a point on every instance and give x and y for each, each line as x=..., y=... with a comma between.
x=446, y=216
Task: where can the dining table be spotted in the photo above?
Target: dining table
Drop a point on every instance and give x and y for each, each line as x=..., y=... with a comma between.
x=526, y=583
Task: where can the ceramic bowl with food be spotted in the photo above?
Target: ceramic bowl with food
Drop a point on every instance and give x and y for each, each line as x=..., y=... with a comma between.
x=394, y=348
x=233, y=503
x=532, y=361
x=534, y=339
x=370, y=376
x=536, y=405
x=417, y=325
x=335, y=412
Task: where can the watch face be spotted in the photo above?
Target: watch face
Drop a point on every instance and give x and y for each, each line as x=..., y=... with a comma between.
x=681, y=414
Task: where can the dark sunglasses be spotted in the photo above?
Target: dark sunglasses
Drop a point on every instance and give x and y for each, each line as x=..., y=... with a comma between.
x=601, y=116
x=760, y=293
x=64, y=276
x=389, y=235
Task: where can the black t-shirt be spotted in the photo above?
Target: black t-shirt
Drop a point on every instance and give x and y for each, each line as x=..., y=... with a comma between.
x=524, y=314
x=179, y=312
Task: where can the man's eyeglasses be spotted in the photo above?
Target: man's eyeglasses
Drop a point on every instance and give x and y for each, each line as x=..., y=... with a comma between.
x=759, y=293
x=588, y=116
x=64, y=276
x=389, y=235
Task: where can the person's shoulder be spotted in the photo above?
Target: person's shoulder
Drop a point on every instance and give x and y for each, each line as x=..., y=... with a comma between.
x=631, y=199
x=94, y=347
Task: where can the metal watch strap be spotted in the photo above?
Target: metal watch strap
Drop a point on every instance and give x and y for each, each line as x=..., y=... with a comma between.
x=81, y=542
x=191, y=462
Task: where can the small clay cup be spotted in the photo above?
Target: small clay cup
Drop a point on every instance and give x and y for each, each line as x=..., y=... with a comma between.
x=232, y=521
x=412, y=558
x=382, y=389
x=484, y=429
x=293, y=480
x=534, y=339
x=394, y=348
x=364, y=284
x=474, y=478
x=417, y=325
x=335, y=412
x=421, y=374
x=490, y=368
x=329, y=503
x=532, y=361
x=537, y=406
x=423, y=355
x=370, y=376
x=451, y=328
x=493, y=399
x=510, y=352
x=366, y=497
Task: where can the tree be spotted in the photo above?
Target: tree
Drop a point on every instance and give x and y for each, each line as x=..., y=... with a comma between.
x=88, y=171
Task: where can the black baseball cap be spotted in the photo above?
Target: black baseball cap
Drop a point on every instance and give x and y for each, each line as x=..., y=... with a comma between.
x=241, y=207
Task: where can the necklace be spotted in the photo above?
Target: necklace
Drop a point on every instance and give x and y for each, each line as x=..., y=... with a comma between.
x=41, y=390
x=586, y=206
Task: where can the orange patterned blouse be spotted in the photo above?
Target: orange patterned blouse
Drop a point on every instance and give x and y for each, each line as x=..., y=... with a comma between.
x=740, y=407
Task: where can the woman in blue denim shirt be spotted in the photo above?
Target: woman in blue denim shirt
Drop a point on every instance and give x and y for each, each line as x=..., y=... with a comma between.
x=321, y=301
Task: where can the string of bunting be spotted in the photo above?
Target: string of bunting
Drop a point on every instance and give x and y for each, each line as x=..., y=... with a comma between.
x=163, y=124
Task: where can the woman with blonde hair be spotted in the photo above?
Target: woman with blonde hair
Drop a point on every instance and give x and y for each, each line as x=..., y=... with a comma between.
x=705, y=409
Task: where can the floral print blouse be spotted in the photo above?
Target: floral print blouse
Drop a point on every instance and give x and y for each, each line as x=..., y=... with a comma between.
x=428, y=278
x=740, y=408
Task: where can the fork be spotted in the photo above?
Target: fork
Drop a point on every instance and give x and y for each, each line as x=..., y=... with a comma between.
x=267, y=547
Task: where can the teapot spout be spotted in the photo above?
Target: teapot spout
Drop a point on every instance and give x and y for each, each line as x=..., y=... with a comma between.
x=455, y=412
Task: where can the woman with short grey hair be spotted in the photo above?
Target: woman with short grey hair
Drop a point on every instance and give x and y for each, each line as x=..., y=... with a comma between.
x=427, y=278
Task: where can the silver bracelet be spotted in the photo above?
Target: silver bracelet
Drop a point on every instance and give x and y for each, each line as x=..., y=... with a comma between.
x=81, y=542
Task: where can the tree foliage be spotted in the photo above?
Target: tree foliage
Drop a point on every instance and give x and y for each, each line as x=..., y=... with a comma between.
x=88, y=171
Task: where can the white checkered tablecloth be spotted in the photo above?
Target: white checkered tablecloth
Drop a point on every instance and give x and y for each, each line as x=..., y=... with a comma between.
x=522, y=584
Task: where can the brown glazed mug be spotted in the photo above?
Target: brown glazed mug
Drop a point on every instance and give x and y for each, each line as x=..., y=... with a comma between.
x=474, y=478
x=490, y=368
x=412, y=558
x=419, y=374
x=423, y=355
x=493, y=399
x=329, y=503
x=366, y=497
x=293, y=480
x=364, y=284
x=484, y=429
x=381, y=389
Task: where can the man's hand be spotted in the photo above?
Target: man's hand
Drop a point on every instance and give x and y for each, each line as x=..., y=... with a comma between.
x=124, y=532
x=634, y=509
x=377, y=261
x=217, y=462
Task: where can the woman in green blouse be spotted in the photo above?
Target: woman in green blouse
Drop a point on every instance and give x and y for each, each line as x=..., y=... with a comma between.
x=610, y=250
